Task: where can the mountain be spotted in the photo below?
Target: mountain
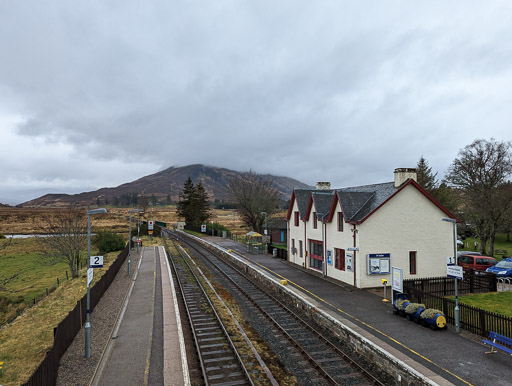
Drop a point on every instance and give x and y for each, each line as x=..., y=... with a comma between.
x=166, y=182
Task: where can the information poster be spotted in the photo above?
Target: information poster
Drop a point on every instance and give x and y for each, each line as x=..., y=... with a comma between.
x=378, y=263
x=348, y=260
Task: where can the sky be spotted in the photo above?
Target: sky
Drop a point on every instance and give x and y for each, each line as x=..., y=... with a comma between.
x=98, y=93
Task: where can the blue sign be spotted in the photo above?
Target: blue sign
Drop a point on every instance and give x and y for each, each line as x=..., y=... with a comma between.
x=373, y=255
x=329, y=257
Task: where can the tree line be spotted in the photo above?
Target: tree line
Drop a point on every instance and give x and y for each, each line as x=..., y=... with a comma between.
x=476, y=189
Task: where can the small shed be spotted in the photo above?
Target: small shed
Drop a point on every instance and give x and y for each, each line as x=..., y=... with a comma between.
x=254, y=242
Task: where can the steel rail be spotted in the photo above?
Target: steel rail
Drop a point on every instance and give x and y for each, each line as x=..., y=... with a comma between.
x=323, y=340
x=210, y=373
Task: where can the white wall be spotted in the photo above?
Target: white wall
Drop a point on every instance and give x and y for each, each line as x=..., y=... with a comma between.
x=408, y=222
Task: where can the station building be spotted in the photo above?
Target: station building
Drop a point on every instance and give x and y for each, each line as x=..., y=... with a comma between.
x=359, y=235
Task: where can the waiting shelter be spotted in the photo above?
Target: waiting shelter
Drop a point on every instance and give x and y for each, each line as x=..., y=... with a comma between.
x=254, y=242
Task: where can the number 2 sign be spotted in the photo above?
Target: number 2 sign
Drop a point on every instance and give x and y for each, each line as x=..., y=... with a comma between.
x=96, y=262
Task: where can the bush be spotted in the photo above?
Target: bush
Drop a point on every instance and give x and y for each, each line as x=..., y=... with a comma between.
x=108, y=241
x=2, y=236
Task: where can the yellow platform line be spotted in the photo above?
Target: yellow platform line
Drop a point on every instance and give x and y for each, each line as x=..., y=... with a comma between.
x=363, y=323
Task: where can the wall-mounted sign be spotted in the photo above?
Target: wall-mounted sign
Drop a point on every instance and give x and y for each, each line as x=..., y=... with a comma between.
x=329, y=257
x=378, y=263
x=348, y=261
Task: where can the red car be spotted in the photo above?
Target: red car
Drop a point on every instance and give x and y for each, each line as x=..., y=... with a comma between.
x=476, y=263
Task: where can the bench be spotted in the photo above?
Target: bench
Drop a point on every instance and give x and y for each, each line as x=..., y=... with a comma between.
x=497, y=342
x=502, y=252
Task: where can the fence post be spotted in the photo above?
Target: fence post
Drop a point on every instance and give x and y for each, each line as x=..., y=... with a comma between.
x=483, y=329
x=472, y=283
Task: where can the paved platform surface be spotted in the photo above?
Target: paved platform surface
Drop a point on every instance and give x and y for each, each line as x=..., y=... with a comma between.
x=443, y=356
x=147, y=347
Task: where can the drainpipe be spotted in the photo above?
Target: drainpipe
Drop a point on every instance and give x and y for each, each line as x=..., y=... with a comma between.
x=324, y=265
x=305, y=246
x=354, y=232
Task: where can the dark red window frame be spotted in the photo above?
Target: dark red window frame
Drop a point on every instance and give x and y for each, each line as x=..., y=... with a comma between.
x=412, y=263
x=339, y=259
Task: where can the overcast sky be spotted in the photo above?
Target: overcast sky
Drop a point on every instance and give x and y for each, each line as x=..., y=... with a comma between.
x=102, y=92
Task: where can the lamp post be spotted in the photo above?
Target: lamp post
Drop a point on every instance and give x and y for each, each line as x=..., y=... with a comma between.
x=266, y=247
x=130, y=239
x=88, y=311
x=457, y=311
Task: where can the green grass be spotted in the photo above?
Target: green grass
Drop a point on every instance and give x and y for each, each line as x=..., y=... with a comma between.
x=497, y=302
x=499, y=243
x=24, y=277
x=24, y=342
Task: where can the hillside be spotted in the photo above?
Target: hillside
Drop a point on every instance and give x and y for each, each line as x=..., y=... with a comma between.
x=166, y=182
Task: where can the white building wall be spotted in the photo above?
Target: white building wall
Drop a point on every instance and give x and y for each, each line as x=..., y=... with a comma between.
x=340, y=240
x=408, y=222
x=295, y=233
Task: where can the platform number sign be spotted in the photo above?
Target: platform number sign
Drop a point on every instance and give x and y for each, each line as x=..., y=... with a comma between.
x=96, y=262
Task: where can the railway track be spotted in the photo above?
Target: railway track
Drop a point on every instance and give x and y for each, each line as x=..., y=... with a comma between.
x=219, y=360
x=307, y=353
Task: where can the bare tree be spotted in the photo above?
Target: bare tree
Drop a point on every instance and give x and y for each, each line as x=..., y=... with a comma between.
x=253, y=197
x=481, y=172
x=66, y=238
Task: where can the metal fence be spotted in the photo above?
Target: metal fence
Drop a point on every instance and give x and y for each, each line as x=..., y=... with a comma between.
x=433, y=291
x=65, y=332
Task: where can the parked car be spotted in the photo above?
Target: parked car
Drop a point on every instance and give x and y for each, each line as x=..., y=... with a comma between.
x=460, y=253
x=503, y=268
x=477, y=263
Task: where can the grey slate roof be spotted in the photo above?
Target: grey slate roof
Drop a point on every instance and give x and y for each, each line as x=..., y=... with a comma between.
x=322, y=200
x=302, y=197
x=356, y=202
x=359, y=201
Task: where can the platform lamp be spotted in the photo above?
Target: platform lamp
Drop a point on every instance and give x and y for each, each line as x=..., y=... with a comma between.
x=130, y=239
x=88, y=311
x=266, y=231
x=457, y=310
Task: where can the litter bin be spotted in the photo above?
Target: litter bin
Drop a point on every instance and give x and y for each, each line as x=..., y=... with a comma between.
x=274, y=252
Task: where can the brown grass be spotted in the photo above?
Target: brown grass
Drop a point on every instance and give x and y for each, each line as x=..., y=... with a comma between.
x=28, y=220
x=24, y=342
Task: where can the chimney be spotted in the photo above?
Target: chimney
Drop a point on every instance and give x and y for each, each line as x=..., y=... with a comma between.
x=403, y=174
x=323, y=186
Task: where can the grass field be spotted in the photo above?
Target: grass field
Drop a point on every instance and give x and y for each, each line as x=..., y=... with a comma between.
x=500, y=243
x=24, y=342
x=28, y=220
x=498, y=302
x=24, y=276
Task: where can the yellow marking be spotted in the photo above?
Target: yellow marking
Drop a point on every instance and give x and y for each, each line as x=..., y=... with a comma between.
x=365, y=324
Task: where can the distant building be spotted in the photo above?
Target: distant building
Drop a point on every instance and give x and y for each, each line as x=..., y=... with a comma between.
x=357, y=234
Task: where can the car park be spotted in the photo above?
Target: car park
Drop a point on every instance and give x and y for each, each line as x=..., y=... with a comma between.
x=475, y=263
x=502, y=269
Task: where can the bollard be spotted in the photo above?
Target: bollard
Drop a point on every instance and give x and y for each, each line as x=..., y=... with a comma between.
x=384, y=282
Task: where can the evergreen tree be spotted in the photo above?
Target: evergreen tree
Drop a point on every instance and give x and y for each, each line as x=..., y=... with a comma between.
x=426, y=178
x=439, y=190
x=202, y=204
x=194, y=205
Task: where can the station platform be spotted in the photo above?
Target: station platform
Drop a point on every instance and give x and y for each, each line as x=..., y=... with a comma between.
x=442, y=356
x=147, y=346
